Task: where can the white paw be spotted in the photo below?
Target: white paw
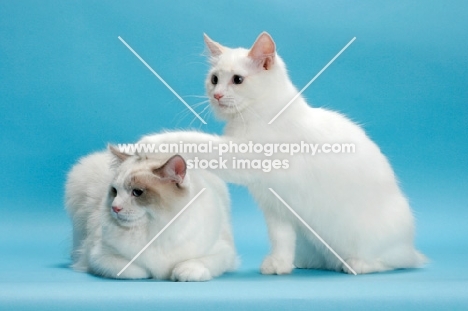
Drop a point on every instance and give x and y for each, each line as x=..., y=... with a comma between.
x=361, y=267
x=133, y=272
x=190, y=271
x=273, y=265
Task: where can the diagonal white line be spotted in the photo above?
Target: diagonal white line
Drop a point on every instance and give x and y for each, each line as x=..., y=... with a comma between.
x=313, y=231
x=310, y=82
x=160, y=232
x=162, y=80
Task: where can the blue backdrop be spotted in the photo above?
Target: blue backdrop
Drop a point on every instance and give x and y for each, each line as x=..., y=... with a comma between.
x=68, y=86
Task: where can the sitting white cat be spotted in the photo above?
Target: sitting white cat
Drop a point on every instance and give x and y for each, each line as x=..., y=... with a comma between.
x=352, y=200
x=118, y=203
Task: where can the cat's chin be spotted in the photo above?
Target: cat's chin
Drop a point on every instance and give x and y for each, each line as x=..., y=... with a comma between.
x=225, y=111
x=129, y=221
x=223, y=106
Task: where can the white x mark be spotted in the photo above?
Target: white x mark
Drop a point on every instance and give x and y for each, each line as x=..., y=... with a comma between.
x=160, y=232
x=162, y=80
x=310, y=82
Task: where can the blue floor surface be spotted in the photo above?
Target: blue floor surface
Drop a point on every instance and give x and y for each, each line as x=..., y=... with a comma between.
x=35, y=275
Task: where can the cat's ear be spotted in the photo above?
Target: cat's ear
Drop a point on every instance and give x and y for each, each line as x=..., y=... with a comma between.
x=173, y=170
x=119, y=156
x=263, y=51
x=215, y=48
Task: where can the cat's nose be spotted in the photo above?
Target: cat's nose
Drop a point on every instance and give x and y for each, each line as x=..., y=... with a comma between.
x=116, y=209
x=218, y=96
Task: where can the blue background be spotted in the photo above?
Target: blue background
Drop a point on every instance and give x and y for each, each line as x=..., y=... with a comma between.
x=68, y=86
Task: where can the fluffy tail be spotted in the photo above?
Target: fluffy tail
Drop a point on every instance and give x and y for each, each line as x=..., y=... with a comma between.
x=421, y=260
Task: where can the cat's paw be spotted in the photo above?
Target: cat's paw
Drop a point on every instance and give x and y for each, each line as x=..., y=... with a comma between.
x=190, y=271
x=361, y=267
x=133, y=272
x=274, y=265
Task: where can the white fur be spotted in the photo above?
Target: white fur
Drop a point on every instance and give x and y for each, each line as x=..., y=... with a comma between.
x=196, y=247
x=352, y=200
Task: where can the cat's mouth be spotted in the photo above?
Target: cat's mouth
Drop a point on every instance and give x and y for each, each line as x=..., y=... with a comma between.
x=225, y=104
x=127, y=220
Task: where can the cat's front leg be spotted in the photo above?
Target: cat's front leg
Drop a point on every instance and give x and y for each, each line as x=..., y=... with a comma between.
x=283, y=242
x=192, y=270
x=109, y=265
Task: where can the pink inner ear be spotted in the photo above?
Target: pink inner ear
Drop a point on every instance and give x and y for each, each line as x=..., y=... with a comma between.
x=120, y=156
x=175, y=169
x=263, y=47
x=215, y=48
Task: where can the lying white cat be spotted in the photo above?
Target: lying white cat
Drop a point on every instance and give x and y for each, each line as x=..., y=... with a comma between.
x=352, y=200
x=118, y=203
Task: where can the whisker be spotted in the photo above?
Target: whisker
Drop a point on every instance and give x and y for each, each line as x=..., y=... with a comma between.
x=194, y=118
x=200, y=113
x=204, y=109
x=184, y=113
x=199, y=103
x=208, y=114
x=197, y=96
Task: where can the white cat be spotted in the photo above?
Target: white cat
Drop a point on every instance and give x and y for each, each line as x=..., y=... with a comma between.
x=351, y=200
x=118, y=203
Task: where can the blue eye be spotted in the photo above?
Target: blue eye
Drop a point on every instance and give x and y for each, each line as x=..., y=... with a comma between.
x=214, y=79
x=236, y=79
x=137, y=192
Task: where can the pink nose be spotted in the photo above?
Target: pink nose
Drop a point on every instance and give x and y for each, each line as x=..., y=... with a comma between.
x=116, y=209
x=218, y=96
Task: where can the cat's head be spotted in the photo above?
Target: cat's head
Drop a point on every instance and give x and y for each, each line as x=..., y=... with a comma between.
x=143, y=187
x=240, y=77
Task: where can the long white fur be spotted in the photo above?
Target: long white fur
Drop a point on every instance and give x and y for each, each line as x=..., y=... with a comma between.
x=196, y=247
x=352, y=200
